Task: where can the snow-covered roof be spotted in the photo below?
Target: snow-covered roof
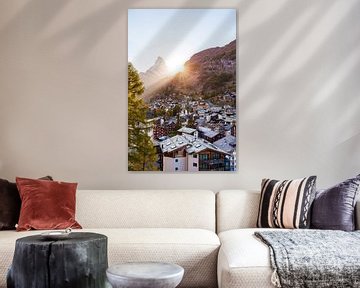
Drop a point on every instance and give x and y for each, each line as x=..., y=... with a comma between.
x=211, y=133
x=190, y=143
x=227, y=143
x=187, y=130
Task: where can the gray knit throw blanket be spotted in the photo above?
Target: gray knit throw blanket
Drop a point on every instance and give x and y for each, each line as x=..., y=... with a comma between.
x=313, y=258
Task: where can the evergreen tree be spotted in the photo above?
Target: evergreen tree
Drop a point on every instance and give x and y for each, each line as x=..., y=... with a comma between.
x=178, y=123
x=176, y=110
x=191, y=122
x=141, y=152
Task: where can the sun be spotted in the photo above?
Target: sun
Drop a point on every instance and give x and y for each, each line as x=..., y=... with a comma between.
x=175, y=65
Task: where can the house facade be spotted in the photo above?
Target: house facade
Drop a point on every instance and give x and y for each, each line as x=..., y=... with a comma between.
x=188, y=153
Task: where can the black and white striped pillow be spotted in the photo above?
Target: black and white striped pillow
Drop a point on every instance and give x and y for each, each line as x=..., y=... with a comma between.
x=286, y=204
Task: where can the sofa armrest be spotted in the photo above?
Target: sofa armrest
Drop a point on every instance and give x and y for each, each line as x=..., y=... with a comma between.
x=357, y=215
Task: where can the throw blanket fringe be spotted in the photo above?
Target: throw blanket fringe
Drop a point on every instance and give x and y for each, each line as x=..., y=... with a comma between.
x=275, y=280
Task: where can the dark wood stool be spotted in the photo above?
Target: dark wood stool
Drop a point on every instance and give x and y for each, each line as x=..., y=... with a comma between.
x=79, y=261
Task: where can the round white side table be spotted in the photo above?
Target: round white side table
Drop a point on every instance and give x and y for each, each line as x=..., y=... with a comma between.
x=145, y=275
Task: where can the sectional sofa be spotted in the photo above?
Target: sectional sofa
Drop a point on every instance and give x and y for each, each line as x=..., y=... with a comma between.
x=210, y=235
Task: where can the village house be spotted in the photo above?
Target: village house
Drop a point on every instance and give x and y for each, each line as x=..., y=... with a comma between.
x=188, y=153
x=163, y=128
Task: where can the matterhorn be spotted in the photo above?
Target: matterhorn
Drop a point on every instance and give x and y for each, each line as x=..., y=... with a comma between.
x=155, y=73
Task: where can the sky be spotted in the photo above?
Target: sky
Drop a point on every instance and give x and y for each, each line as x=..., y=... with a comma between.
x=176, y=34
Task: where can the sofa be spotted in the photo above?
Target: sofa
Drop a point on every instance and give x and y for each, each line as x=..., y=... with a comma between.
x=210, y=235
x=175, y=226
x=243, y=260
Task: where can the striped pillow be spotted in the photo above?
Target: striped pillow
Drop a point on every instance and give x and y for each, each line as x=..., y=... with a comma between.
x=286, y=204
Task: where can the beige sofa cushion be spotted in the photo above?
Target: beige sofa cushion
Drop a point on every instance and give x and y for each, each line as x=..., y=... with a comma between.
x=244, y=261
x=194, y=249
x=236, y=209
x=146, y=209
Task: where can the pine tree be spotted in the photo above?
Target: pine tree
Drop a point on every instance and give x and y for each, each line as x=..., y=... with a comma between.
x=191, y=122
x=141, y=152
x=178, y=122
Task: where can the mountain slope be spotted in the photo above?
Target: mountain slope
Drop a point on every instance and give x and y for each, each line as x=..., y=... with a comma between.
x=207, y=73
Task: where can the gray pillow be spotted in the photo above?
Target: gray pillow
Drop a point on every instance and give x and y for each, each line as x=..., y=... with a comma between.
x=334, y=208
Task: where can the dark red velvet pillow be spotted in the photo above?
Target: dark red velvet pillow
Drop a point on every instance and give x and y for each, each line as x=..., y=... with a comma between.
x=10, y=204
x=46, y=204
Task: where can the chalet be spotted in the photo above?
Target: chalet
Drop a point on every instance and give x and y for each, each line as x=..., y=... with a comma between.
x=163, y=128
x=209, y=134
x=187, y=130
x=189, y=153
x=228, y=144
x=215, y=109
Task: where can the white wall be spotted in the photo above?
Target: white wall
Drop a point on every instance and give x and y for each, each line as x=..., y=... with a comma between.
x=170, y=164
x=63, y=89
x=191, y=161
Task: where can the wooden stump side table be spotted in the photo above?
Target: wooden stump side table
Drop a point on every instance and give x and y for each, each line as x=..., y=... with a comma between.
x=78, y=261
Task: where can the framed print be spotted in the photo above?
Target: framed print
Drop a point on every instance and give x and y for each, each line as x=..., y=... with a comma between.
x=182, y=90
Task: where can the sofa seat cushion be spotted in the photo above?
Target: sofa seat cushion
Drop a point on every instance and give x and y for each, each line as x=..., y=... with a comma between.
x=194, y=249
x=244, y=261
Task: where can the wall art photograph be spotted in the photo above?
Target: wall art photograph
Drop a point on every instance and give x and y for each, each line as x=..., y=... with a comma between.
x=182, y=90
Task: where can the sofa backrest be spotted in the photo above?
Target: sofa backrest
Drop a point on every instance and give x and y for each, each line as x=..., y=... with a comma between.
x=236, y=209
x=239, y=209
x=146, y=209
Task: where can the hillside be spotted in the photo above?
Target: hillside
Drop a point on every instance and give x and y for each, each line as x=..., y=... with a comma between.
x=207, y=73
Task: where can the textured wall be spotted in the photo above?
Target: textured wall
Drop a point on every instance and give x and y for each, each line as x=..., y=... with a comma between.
x=63, y=91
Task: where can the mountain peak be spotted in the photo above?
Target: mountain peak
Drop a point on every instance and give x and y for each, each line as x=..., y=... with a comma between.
x=160, y=61
x=155, y=73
